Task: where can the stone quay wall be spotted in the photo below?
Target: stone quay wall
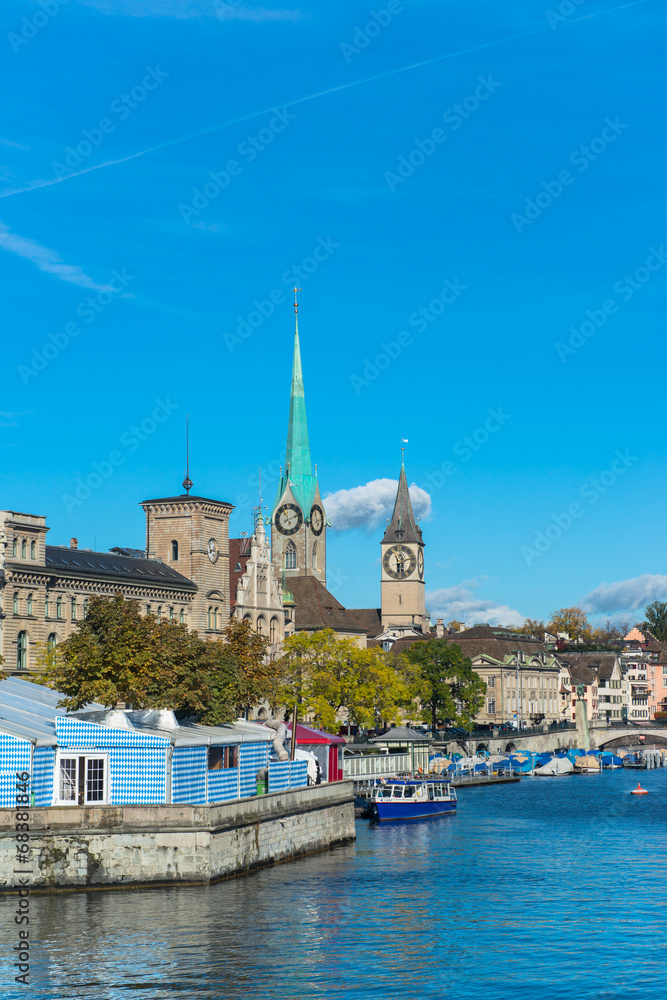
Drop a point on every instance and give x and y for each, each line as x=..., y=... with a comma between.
x=79, y=848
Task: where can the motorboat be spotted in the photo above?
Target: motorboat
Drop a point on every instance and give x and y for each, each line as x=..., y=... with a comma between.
x=412, y=799
x=555, y=768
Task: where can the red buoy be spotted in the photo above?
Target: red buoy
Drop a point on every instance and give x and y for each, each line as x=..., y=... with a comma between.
x=639, y=790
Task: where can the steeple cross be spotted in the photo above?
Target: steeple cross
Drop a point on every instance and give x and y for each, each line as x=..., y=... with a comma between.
x=296, y=304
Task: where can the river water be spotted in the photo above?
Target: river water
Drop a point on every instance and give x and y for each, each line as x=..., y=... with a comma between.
x=550, y=888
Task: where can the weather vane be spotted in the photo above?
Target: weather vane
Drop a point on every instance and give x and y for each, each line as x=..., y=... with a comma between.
x=296, y=304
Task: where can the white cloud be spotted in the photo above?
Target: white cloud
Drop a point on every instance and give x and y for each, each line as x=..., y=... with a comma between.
x=461, y=603
x=45, y=259
x=225, y=10
x=367, y=506
x=626, y=595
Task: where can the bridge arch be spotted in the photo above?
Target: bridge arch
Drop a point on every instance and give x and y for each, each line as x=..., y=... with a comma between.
x=630, y=738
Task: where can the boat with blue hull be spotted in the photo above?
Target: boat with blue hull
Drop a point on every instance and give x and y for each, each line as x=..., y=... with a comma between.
x=412, y=799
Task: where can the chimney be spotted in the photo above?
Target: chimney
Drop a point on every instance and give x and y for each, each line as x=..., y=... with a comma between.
x=439, y=628
x=462, y=627
x=74, y=543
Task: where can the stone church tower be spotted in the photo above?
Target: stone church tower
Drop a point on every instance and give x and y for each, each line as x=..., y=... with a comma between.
x=298, y=522
x=402, y=589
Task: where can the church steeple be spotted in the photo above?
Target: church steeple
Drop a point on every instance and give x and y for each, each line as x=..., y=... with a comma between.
x=403, y=527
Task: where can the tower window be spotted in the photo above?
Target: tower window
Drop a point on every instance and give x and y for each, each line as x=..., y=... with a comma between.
x=182, y=617
x=15, y=547
x=59, y=608
x=215, y=618
x=210, y=618
x=24, y=549
x=85, y=607
x=159, y=612
x=171, y=613
x=400, y=598
x=174, y=550
x=74, y=609
x=46, y=604
x=51, y=642
x=261, y=625
x=29, y=604
x=21, y=650
x=15, y=603
x=314, y=555
x=33, y=550
x=290, y=555
x=273, y=630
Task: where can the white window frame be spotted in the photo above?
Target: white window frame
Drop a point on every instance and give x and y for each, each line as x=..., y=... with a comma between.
x=87, y=755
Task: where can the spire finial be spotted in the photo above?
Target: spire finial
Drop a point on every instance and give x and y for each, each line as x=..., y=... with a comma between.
x=187, y=482
x=404, y=441
x=296, y=304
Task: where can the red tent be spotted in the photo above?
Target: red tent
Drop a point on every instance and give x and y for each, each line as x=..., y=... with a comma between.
x=327, y=748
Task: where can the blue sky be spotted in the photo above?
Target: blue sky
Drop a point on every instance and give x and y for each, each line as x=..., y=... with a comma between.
x=472, y=193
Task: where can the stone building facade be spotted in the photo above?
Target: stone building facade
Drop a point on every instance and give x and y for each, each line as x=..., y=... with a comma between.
x=256, y=593
x=44, y=589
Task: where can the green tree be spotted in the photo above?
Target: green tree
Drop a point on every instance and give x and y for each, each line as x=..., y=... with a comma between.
x=446, y=684
x=116, y=654
x=655, y=620
x=257, y=670
x=324, y=676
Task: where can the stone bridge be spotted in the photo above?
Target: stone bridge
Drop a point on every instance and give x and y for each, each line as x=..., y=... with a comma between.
x=601, y=737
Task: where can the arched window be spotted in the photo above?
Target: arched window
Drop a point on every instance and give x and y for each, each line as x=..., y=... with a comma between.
x=290, y=555
x=261, y=625
x=24, y=549
x=159, y=612
x=74, y=609
x=182, y=617
x=273, y=630
x=22, y=651
x=15, y=547
x=215, y=618
x=171, y=612
x=51, y=642
x=59, y=608
x=314, y=555
x=174, y=550
x=85, y=606
x=33, y=550
x=210, y=618
x=29, y=604
x=15, y=602
x=247, y=618
x=46, y=604
x=149, y=609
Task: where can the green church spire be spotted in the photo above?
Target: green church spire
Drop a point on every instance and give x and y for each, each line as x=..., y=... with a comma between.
x=298, y=465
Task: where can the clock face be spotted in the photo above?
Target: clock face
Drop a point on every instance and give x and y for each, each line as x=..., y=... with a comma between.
x=399, y=562
x=212, y=549
x=316, y=519
x=420, y=564
x=288, y=519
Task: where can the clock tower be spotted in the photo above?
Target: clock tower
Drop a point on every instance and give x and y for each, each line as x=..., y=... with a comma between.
x=403, y=588
x=298, y=522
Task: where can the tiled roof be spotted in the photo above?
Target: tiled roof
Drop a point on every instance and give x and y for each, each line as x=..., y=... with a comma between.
x=63, y=559
x=370, y=620
x=602, y=663
x=239, y=553
x=580, y=674
x=185, y=498
x=317, y=608
x=486, y=640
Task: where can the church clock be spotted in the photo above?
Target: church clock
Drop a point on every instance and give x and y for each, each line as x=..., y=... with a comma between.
x=288, y=519
x=399, y=562
x=316, y=519
x=420, y=563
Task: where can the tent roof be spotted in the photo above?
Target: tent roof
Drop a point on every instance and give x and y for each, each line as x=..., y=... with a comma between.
x=306, y=734
x=400, y=734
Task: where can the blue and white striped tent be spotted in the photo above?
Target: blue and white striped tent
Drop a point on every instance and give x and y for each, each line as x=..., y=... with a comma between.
x=102, y=757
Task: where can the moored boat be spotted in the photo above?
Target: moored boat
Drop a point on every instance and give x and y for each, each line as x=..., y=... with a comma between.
x=555, y=768
x=412, y=799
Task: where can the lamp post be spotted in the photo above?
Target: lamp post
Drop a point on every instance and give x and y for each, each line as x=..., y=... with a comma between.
x=518, y=694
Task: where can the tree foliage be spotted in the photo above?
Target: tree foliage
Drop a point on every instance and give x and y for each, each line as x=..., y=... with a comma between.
x=118, y=655
x=330, y=677
x=573, y=621
x=655, y=620
x=446, y=685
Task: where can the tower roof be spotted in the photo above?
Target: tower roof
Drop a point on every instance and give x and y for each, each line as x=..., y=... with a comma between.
x=403, y=526
x=298, y=465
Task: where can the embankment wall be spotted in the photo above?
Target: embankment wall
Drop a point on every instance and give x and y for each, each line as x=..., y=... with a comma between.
x=73, y=847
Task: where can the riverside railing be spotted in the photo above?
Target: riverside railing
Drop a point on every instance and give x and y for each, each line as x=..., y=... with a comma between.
x=376, y=765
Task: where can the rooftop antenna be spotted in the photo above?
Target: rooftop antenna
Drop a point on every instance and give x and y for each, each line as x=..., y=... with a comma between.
x=187, y=482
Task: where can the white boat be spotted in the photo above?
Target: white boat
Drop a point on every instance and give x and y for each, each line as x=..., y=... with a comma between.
x=555, y=768
x=587, y=765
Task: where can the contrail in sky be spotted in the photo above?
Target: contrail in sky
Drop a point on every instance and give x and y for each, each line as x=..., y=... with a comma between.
x=35, y=185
